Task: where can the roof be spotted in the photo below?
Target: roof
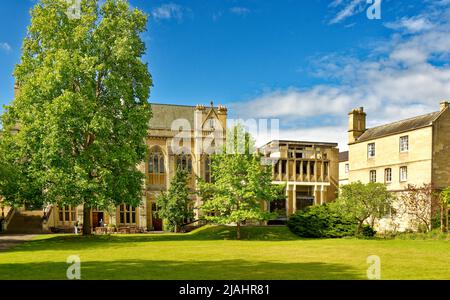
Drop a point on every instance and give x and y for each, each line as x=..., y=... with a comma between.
x=398, y=127
x=302, y=143
x=343, y=156
x=164, y=114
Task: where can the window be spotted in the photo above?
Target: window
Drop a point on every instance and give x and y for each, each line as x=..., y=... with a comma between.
x=184, y=162
x=373, y=176
x=403, y=174
x=156, y=167
x=404, y=144
x=67, y=214
x=347, y=168
x=325, y=169
x=371, y=150
x=156, y=162
x=127, y=214
x=212, y=123
x=388, y=175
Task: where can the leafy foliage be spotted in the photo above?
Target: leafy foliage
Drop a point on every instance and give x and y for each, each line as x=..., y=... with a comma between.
x=362, y=202
x=82, y=106
x=241, y=184
x=321, y=221
x=173, y=206
x=418, y=203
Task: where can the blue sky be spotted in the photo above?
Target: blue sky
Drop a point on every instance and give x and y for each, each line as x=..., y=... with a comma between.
x=305, y=62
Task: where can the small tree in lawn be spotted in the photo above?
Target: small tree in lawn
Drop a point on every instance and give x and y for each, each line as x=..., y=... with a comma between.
x=419, y=204
x=173, y=206
x=363, y=202
x=241, y=184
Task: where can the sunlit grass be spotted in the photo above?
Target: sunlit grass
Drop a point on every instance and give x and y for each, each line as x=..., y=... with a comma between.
x=213, y=253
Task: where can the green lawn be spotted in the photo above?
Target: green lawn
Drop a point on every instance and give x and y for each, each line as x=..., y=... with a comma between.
x=211, y=253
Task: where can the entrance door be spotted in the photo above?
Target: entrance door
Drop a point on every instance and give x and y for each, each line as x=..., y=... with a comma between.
x=156, y=222
x=96, y=218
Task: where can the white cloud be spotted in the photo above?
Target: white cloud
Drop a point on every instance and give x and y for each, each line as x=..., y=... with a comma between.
x=169, y=11
x=412, y=25
x=346, y=9
x=406, y=76
x=242, y=11
x=5, y=47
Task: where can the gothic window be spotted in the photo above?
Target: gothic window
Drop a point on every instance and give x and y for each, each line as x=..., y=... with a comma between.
x=184, y=162
x=156, y=167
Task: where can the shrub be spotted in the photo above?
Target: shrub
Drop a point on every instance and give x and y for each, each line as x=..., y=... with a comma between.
x=368, y=231
x=321, y=222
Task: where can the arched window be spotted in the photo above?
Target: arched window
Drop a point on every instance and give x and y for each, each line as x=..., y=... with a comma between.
x=184, y=161
x=156, y=162
x=156, y=167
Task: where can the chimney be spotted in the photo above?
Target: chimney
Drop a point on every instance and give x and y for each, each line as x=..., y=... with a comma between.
x=356, y=124
x=16, y=89
x=444, y=105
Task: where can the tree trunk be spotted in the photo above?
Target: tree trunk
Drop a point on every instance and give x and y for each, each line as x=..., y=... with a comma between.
x=87, y=226
x=360, y=225
x=238, y=231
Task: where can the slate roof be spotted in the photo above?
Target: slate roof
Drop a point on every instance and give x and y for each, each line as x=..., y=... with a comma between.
x=165, y=114
x=398, y=127
x=343, y=156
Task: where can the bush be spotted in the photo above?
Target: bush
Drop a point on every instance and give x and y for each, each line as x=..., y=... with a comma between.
x=321, y=222
x=368, y=231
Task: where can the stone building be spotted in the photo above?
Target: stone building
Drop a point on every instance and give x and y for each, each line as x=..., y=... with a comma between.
x=178, y=136
x=308, y=169
x=344, y=168
x=412, y=151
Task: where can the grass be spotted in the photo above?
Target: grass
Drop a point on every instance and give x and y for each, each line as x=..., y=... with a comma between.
x=212, y=253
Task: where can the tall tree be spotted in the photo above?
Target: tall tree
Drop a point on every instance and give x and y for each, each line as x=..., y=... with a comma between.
x=445, y=205
x=241, y=184
x=173, y=206
x=363, y=202
x=82, y=105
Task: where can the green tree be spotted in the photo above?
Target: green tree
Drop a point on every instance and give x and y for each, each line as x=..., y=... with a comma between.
x=364, y=201
x=445, y=205
x=82, y=105
x=173, y=206
x=241, y=184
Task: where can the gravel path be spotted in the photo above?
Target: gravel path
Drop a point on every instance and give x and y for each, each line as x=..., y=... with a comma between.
x=9, y=241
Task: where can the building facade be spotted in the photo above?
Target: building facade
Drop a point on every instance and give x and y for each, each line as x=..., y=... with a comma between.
x=178, y=137
x=414, y=151
x=309, y=170
x=344, y=168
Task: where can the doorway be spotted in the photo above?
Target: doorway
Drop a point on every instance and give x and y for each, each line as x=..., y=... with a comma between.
x=98, y=219
x=157, y=223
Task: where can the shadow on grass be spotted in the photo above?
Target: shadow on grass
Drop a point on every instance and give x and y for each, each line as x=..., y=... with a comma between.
x=182, y=270
x=208, y=233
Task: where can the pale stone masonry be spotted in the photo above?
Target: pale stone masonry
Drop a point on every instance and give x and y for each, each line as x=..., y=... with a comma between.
x=412, y=151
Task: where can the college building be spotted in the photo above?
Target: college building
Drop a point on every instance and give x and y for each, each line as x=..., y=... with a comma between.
x=414, y=151
x=178, y=137
x=309, y=170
